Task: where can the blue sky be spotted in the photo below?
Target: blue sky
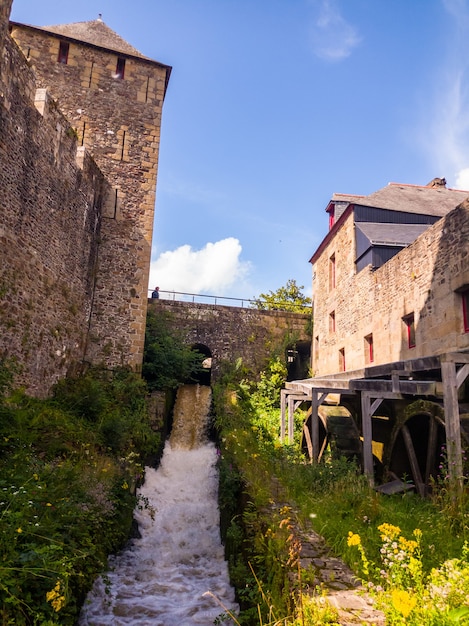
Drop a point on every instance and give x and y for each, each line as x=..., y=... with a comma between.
x=274, y=105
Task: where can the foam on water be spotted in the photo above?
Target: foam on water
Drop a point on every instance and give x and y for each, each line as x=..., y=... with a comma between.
x=163, y=577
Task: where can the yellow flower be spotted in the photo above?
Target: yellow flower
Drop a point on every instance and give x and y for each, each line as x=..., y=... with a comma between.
x=19, y=530
x=48, y=504
x=57, y=601
x=125, y=485
x=36, y=477
x=389, y=532
x=403, y=602
x=353, y=539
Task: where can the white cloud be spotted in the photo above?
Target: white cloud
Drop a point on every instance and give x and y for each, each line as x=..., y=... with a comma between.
x=462, y=179
x=215, y=269
x=332, y=37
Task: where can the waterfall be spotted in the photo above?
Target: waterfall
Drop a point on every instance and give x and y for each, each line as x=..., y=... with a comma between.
x=175, y=573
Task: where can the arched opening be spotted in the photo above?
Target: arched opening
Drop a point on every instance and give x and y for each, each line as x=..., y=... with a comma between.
x=338, y=433
x=298, y=357
x=203, y=376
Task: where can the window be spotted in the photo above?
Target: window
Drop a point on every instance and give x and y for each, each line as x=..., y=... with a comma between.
x=369, y=356
x=465, y=309
x=120, y=68
x=409, y=321
x=332, y=272
x=342, y=360
x=332, y=322
x=63, y=52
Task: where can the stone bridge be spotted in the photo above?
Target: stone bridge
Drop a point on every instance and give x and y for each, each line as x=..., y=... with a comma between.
x=227, y=333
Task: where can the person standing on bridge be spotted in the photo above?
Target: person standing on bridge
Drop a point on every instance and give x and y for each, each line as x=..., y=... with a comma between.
x=155, y=293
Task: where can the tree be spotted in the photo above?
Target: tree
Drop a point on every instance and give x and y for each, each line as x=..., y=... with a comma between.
x=287, y=298
x=167, y=360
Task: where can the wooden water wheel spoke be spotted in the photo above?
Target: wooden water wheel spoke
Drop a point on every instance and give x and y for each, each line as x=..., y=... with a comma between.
x=431, y=449
x=416, y=474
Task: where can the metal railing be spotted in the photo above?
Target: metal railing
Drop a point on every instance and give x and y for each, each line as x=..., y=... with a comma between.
x=201, y=298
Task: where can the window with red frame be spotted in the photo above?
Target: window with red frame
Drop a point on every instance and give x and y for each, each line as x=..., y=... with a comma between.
x=342, y=360
x=369, y=356
x=332, y=272
x=62, y=57
x=465, y=309
x=409, y=321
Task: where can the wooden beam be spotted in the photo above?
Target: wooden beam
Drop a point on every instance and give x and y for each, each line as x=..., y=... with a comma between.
x=367, y=411
x=462, y=374
x=452, y=426
x=415, y=469
x=283, y=406
x=316, y=400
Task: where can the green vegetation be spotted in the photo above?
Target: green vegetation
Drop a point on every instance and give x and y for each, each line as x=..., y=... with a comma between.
x=276, y=489
x=69, y=466
x=167, y=361
x=286, y=298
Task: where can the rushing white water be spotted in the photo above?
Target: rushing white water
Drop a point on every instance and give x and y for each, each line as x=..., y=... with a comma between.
x=175, y=573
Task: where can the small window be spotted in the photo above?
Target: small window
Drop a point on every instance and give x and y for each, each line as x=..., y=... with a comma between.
x=342, y=360
x=332, y=272
x=63, y=52
x=409, y=321
x=465, y=309
x=332, y=322
x=369, y=356
x=120, y=68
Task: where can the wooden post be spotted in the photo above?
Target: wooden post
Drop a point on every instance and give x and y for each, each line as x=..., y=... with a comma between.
x=452, y=426
x=291, y=424
x=368, y=409
x=283, y=397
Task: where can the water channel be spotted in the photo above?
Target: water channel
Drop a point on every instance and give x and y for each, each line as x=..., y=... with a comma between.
x=175, y=573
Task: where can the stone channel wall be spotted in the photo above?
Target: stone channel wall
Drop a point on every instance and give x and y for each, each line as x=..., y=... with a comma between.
x=51, y=195
x=424, y=279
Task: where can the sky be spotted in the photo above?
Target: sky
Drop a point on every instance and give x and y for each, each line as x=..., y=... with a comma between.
x=273, y=106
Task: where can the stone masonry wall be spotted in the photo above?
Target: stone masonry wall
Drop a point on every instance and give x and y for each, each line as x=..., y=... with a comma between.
x=118, y=121
x=51, y=196
x=232, y=332
x=421, y=279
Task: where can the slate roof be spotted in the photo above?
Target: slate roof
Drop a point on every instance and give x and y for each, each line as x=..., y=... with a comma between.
x=436, y=201
x=391, y=234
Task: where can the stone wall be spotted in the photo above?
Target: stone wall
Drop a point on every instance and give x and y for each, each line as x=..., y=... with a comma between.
x=422, y=279
x=118, y=121
x=233, y=332
x=51, y=197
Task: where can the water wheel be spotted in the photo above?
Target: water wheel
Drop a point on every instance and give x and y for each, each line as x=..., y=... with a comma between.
x=338, y=433
x=416, y=450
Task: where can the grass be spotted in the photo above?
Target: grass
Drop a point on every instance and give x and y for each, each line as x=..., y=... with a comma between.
x=333, y=498
x=69, y=466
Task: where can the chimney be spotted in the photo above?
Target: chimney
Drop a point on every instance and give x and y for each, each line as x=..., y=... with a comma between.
x=437, y=182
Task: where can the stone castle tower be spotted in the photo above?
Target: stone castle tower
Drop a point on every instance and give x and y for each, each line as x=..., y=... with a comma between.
x=112, y=95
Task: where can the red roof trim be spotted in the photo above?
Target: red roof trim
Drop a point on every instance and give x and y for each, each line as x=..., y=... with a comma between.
x=331, y=234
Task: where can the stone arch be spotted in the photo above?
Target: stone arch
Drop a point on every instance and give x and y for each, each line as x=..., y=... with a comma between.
x=204, y=377
x=298, y=358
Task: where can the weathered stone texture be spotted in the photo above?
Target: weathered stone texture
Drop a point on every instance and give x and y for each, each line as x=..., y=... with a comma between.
x=118, y=121
x=232, y=332
x=49, y=231
x=422, y=279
